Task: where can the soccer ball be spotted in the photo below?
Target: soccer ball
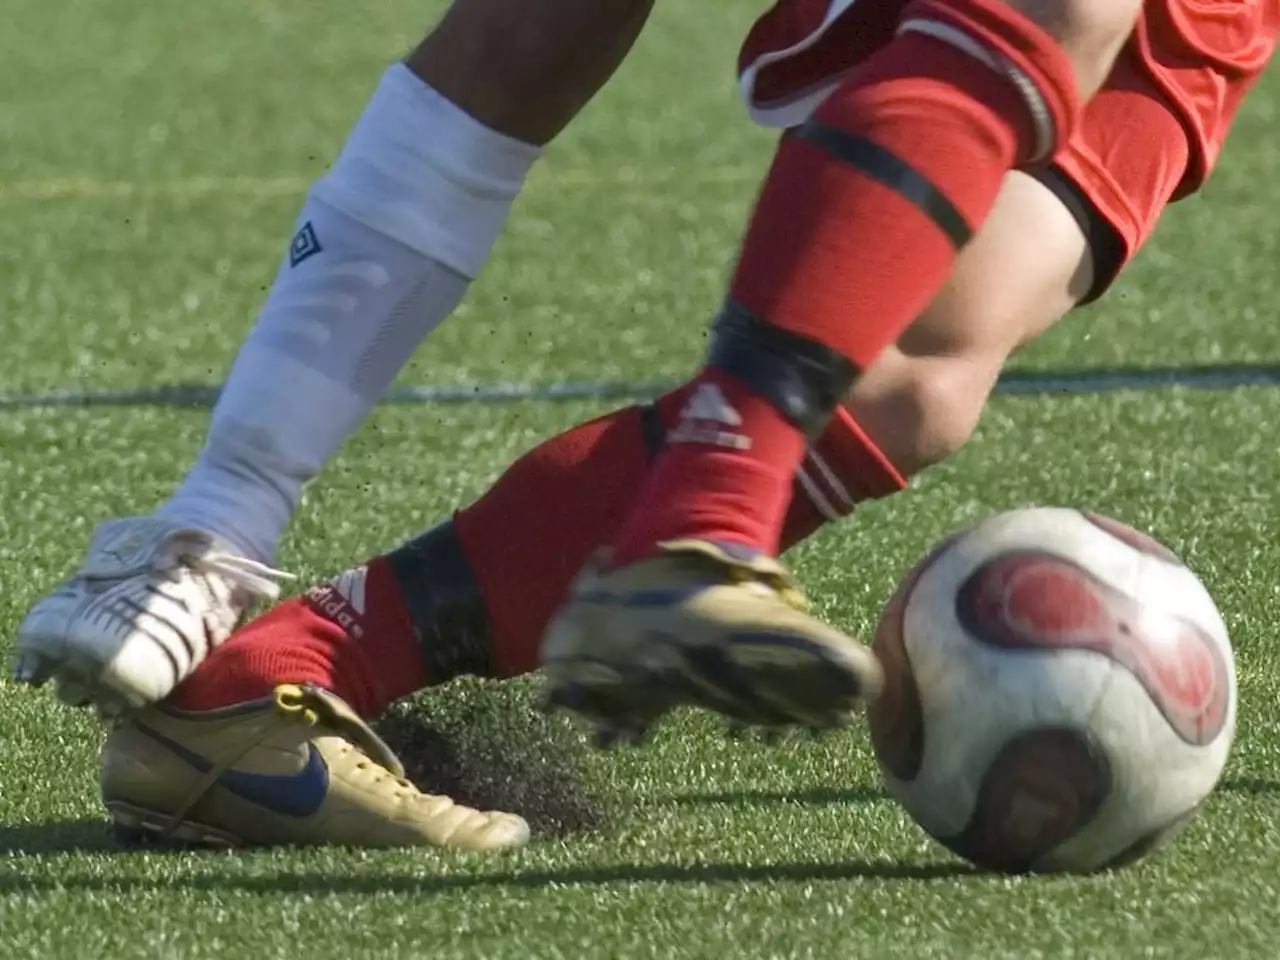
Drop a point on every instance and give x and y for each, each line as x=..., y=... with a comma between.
x=1060, y=693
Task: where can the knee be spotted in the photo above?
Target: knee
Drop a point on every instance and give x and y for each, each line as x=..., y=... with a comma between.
x=921, y=401
x=919, y=410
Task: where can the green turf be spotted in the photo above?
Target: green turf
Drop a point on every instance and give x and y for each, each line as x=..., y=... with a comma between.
x=155, y=161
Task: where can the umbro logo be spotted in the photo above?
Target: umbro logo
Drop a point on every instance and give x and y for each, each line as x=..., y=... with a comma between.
x=709, y=418
x=305, y=244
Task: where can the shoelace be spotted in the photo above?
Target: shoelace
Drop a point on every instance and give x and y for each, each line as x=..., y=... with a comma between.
x=295, y=702
x=251, y=576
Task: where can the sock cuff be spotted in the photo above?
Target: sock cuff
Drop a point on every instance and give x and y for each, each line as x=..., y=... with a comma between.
x=1014, y=45
x=463, y=148
x=845, y=467
x=421, y=170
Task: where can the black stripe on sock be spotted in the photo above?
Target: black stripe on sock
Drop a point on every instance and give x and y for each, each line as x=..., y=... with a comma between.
x=803, y=379
x=888, y=169
x=445, y=603
x=652, y=432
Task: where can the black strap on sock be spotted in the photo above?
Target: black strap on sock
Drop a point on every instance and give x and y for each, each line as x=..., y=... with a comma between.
x=890, y=170
x=802, y=378
x=652, y=433
x=445, y=604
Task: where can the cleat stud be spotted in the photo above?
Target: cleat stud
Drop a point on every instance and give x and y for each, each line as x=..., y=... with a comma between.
x=33, y=670
x=130, y=837
x=605, y=738
x=772, y=736
x=571, y=696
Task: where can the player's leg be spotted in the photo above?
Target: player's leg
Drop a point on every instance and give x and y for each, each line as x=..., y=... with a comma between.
x=855, y=232
x=385, y=247
x=472, y=595
x=922, y=399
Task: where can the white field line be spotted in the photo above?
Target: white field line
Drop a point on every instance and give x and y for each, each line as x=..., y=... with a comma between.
x=267, y=188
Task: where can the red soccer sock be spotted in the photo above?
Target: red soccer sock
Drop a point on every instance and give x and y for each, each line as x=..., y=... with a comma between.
x=862, y=214
x=525, y=539
x=352, y=637
x=725, y=475
x=843, y=468
x=530, y=534
x=855, y=232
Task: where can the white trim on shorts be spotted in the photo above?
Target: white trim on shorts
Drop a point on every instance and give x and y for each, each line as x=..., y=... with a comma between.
x=798, y=109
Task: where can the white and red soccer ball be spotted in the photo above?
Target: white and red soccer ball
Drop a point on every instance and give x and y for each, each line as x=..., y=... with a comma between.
x=1060, y=693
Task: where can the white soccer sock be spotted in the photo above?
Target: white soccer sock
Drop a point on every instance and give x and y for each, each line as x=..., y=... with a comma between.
x=385, y=247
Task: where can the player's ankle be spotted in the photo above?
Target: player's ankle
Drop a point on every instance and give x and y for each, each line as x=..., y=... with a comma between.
x=351, y=635
x=237, y=673
x=239, y=495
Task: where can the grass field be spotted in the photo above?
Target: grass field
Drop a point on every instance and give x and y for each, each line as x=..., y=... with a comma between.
x=154, y=158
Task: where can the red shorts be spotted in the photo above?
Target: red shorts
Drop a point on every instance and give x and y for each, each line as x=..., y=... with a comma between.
x=1151, y=136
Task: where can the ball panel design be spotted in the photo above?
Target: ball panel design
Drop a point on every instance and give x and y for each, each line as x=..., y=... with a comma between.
x=1156, y=776
x=1043, y=787
x=1071, y=710
x=894, y=718
x=1028, y=601
x=1169, y=587
x=972, y=710
x=1136, y=539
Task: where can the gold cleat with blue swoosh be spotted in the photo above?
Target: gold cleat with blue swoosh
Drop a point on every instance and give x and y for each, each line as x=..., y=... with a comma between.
x=298, y=768
x=701, y=624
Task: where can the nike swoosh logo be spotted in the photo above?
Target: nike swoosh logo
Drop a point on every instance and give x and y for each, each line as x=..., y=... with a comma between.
x=292, y=795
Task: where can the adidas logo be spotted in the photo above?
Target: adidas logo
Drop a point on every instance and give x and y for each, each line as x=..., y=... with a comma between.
x=342, y=600
x=704, y=419
x=708, y=403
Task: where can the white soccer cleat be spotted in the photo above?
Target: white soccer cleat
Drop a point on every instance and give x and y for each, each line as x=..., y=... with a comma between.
x=150, y=602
